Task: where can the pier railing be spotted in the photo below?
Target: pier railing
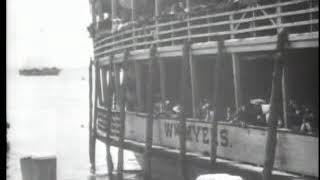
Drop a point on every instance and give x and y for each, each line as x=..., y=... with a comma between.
x=297, y=16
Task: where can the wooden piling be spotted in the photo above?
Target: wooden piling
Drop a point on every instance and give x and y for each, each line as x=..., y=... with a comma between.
x=109, y=99
x=149, y=121
x=275, y=105
x=122, y=89
x=217, y=106
x=182, y=123
x=91, y=133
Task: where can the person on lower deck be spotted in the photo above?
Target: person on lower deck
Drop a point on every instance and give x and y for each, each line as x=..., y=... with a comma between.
x=306, y=126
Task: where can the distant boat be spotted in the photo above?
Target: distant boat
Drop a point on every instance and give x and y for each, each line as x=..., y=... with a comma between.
x=53, y=71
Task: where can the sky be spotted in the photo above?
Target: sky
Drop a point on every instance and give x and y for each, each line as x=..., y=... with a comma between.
x=48, y=33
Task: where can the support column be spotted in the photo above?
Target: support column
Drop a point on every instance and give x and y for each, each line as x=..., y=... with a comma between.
x=114, y=9
x=109, y=99
x=182, y=124
x=163, y=88
x=149, y=121
x=275, y=105
x=138, y=70
x=117, y=83
x=123, y=88
x=217, y=102
x=236, y=80
x=92, y=139
x=194, y=85
x=100, y=12
x=284, y=96
x=133, y=10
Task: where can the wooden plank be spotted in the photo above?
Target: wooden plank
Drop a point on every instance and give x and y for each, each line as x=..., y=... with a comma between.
x=275, y=106
x=149, y=122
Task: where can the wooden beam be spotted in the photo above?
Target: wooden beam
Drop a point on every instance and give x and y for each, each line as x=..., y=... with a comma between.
x=236, y=80
x=149, y=122
x=91, y=133
x=275, y=106
x=123, y=88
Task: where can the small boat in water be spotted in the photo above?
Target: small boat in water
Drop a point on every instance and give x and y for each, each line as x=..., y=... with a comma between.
x=53, y=71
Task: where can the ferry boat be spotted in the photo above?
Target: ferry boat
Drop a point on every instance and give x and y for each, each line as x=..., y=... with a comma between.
x=227, y=55
x=53, y=71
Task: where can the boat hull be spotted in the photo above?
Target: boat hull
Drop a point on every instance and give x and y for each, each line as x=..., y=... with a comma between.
x=295, y=153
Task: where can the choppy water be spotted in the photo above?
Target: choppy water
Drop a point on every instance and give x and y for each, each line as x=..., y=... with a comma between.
x=45, y=115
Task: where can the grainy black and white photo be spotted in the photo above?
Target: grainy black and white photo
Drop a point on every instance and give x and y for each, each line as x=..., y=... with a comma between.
x=162, y=90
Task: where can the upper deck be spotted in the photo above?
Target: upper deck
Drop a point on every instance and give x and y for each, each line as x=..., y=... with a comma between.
x=250, y=29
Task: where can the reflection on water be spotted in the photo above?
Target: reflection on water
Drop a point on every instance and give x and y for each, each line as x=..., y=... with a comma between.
x=49, y=115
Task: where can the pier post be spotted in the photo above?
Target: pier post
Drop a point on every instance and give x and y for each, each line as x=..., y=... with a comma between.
x=149, y=120
x=122, y=89
x=217, y=107
x=92, y=139
x=182, y=123
x=275, y=105
x=109, y=99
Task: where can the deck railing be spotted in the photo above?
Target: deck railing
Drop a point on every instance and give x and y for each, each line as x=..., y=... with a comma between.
x=297, y=16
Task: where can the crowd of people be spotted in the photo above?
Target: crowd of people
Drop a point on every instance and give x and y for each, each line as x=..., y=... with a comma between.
x=175, y=11
x=256, y=113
